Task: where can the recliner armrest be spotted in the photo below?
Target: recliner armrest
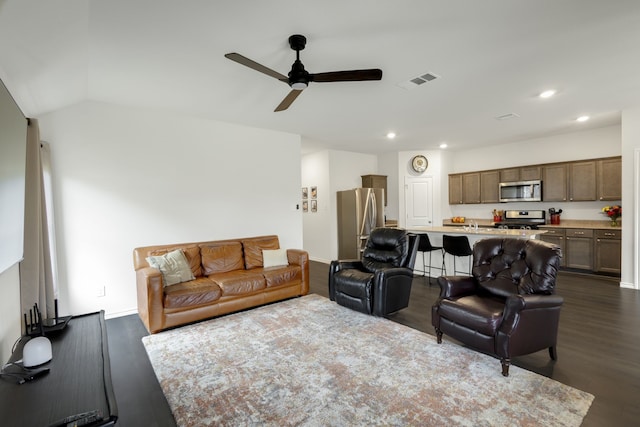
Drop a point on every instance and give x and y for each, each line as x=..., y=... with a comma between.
x=338, y=265
x=516, y=305
x=457, y=286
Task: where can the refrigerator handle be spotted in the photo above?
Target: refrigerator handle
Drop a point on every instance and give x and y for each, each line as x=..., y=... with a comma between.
x=374, y=210
x=365, y=215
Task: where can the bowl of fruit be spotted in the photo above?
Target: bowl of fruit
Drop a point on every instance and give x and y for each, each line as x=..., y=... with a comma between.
x=457, y=220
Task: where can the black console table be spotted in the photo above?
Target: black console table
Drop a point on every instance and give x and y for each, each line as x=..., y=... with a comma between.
x=79, y=379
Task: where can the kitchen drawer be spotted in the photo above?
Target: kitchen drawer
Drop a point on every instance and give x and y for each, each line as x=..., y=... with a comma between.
x=609, y=234
x=579, y=232
x=554, y=232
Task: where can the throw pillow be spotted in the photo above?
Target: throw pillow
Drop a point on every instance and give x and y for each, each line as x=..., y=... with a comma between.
x=173, y=266
x=274, y=258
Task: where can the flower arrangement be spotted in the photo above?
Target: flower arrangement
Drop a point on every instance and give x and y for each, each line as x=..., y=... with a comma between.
x=613, y=212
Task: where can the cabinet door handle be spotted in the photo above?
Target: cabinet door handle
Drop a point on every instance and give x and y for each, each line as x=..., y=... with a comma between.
x=609, y=234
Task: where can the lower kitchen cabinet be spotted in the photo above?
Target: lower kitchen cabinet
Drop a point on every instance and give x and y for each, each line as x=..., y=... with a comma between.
x=579, y=248
x=608, y=251
x=586, y=249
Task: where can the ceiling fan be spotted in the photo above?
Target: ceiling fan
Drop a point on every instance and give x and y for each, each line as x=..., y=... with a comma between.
x=299, y=78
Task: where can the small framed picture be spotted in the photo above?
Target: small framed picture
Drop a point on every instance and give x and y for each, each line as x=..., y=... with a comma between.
x=305, y=193
x=314, y=206
x=305, y=206
x=314, y=192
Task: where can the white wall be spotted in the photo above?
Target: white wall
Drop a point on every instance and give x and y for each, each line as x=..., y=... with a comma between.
x=388, y=165
x=330, y=171
x=125, y=177
x=631, y=195
x=317, y=241
x=10, y=316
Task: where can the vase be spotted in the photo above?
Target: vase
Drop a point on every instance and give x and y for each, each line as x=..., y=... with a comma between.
x=614, y=222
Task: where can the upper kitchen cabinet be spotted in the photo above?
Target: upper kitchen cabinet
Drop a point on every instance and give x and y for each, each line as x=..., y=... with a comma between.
x=554, y=183
x=524, y=173
x=471, y=187
x=464, y=188
x=489, y=184
x=609, y=178
x=455, y=189
x=582, y=181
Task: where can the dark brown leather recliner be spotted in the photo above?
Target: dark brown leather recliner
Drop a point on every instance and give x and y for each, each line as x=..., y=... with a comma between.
x=507, y=307
x=380, y=283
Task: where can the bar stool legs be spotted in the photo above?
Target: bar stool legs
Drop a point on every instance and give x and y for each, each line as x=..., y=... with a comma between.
x=425, y=246
x=456, y=246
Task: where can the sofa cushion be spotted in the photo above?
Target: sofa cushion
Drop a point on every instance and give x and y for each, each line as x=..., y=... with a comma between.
x=173, y=266
x=253, y=250
x=191, y=252
x=278, y=276
x=200, y=291
x=274, y=258
x=239, y=282
x=221, y=257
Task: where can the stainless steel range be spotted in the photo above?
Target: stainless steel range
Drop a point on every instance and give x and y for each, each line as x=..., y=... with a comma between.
x=527, y=220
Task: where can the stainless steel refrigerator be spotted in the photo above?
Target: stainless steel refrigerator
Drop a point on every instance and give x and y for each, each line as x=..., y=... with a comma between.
x=360, y=210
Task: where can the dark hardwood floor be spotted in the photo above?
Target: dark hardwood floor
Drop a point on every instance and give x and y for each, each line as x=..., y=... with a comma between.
x=598, y=350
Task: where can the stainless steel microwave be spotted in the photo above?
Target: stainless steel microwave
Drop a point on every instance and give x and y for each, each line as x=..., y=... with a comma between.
x=521, y=191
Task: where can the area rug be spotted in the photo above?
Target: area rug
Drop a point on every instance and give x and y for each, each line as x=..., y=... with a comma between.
x=310, y=362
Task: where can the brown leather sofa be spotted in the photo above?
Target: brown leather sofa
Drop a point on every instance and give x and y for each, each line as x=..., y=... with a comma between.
x=229, y=276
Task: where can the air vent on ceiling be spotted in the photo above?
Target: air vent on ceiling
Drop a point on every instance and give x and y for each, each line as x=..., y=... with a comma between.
x=418, y=81
x=507, y=116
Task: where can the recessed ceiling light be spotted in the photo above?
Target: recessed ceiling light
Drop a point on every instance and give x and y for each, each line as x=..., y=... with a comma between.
x=391, y=135
x=582, y=119
x=443, y=145
x=547, y=93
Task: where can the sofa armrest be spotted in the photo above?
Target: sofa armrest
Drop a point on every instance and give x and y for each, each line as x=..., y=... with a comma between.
x=301, y=258
x=150, y=291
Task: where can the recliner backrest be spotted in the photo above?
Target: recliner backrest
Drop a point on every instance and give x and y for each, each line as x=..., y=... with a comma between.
x=385, y=248
x=516, y=266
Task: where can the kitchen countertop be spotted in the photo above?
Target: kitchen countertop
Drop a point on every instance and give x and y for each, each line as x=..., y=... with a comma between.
x=483, y=230
x=564, y=223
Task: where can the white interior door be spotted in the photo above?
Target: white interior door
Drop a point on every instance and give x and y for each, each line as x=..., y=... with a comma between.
x=419, y=201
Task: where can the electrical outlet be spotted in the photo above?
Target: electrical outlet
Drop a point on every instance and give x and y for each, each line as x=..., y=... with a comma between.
x=101, y=291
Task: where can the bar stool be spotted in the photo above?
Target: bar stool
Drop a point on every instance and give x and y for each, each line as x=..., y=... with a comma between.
x=424, y=246
x=457, y=246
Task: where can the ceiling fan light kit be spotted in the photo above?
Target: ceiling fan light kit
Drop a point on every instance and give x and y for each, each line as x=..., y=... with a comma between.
x=299, y=78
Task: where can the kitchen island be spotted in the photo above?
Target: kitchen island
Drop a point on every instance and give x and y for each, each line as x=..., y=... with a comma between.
x=473, y=234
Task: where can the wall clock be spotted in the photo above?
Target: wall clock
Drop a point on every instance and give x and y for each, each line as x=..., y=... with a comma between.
x=419, y=163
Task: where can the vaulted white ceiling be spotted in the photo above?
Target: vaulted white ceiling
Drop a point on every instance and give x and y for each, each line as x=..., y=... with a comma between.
x=492, y=57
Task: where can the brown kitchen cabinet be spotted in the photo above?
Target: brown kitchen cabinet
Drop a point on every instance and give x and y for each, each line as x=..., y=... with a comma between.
x=376, y=181
x=579, y=248
x=464, y=188
x=524, y=173
x=554, y=183
x=608, y=251
x=582, y=181
x=557, y=237
x=471, y=187
x=609, y=178
x=455, y=189
x=489, y=187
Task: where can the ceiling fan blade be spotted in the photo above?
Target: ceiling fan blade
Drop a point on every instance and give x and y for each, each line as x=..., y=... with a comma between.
x=288, y=100
x=347, y=76
x=236, y=57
